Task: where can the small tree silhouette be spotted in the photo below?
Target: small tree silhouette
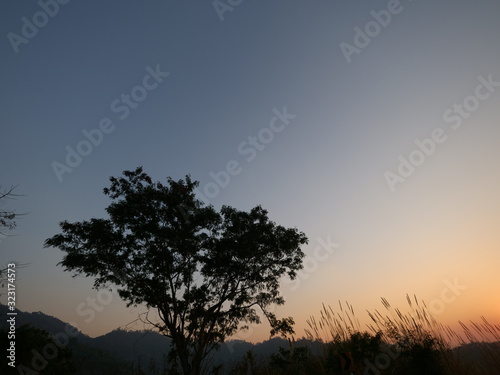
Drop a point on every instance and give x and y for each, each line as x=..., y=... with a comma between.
x=204, y=271
x=7, y=222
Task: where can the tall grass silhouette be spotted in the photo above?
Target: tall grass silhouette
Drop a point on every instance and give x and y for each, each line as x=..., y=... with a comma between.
x=412, y=342
x=416, y=341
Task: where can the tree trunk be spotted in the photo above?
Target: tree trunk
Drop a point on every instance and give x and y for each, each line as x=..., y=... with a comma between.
x=190, y=362
x=182, y=353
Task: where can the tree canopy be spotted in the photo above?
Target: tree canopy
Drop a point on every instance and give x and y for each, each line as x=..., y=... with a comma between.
x=208, y=273
x=37, y=352
x=7, y=217
x=7, y=222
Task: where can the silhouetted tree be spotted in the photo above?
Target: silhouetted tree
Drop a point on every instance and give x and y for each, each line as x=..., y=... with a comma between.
x=36, y=352
x=7, y=222
x=206, y=272
x=7, y=217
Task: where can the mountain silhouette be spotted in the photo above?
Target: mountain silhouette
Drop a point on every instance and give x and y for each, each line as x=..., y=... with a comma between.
x=142, y=348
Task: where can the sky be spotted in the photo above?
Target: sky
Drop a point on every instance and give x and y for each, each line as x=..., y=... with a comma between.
x=371, y=126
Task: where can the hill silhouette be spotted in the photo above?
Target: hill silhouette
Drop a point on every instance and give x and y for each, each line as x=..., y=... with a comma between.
x=137, y=348
x=143, y=352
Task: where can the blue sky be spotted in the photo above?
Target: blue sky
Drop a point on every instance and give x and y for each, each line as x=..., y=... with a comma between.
x=325, y=172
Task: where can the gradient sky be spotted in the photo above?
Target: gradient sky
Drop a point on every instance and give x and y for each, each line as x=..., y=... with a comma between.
x=325, y=173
